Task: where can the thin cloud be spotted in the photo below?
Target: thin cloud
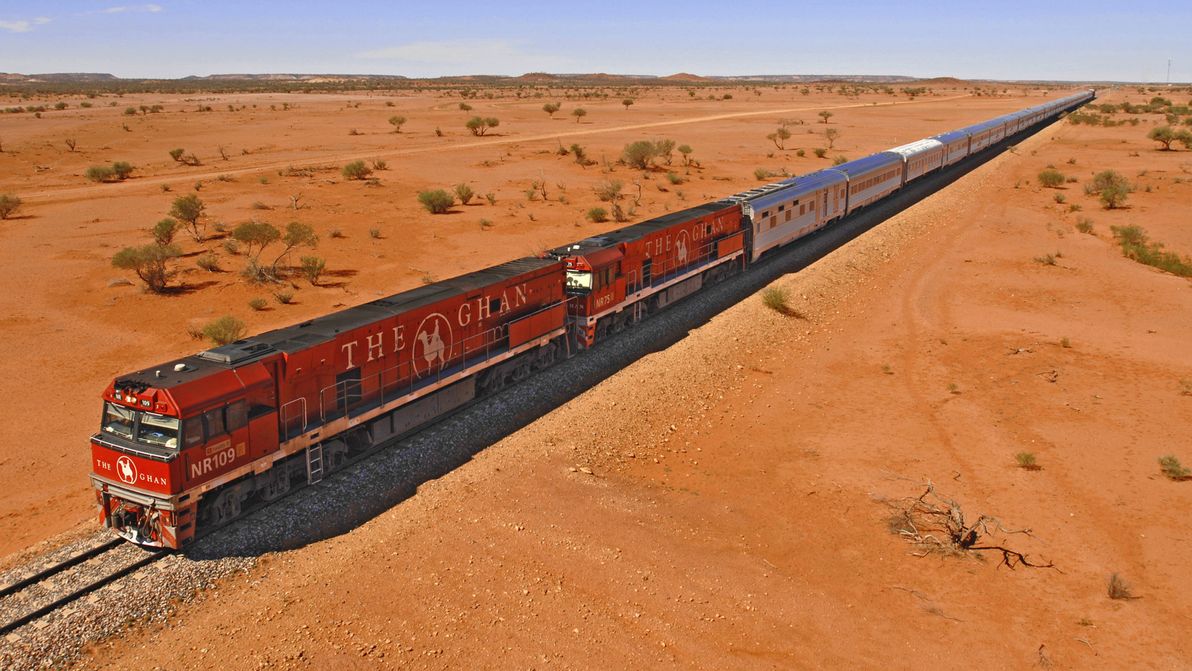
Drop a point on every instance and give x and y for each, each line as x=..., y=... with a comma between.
x=125, y=9
x=23, y=25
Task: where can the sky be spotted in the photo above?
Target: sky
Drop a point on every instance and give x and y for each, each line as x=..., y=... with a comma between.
x=1056, y=39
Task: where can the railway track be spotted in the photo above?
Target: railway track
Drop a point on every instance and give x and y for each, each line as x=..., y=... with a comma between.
x=46, y=590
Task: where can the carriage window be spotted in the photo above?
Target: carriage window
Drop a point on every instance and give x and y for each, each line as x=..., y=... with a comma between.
x=494, y=305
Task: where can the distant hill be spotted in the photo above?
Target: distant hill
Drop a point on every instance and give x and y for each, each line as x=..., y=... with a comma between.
x=60, y=77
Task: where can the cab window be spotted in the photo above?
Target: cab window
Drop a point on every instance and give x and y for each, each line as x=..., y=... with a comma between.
x=237, y=415
x=214, y=421
x=192, y=431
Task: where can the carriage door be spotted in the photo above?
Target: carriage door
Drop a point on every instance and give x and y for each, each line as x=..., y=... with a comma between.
x=825, y=213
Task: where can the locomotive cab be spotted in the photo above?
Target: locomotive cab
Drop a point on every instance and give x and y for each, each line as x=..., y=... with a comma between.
x=162, y=436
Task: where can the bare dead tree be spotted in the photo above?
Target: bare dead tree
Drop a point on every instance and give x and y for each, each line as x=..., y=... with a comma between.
x=295, y=201
x=937, y=524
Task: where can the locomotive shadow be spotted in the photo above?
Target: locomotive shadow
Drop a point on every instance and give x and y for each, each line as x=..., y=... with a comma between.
x=353, y=496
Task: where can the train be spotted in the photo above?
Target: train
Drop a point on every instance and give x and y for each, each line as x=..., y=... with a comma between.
x=189, y=445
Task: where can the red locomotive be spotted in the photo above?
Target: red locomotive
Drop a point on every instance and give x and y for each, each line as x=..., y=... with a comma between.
x=624, y=275
x=188, y=444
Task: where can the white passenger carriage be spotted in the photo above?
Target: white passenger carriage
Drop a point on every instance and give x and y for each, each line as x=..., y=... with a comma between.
x=784, y=211
x=920, y=157
x=871, y=178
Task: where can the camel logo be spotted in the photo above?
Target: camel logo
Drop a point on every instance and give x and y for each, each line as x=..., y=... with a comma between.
x=127, y=470
x=681, y=249
x=433, y=343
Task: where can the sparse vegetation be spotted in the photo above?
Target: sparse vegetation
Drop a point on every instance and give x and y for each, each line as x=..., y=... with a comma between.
x=1112, y=187
x=356, y=170
x=189, y=210
x=1027, y=462
x=208, y=262
x=100, y=173
x=374, y=233
x=1137, y=245
x=831, y=135
x=1173, y=469
x=9, y=205
x=825, y=115
x=480, y=125
x=597, y=215
x=1164, y=135
x=312, y=268
x=579, y=113
x=225, y=330
x=1118, y=588
x=149, y=262
x=779, y=137
x=1084, y=225
x=464, y=193
x=258, y=304
x=839, y=160
x=284, y=297
x=436, y=201
x=163, y=231
x=627, y=102
x=1051, y=178
x=551, y=108
x=778, y=299
x=820, y=152
x=397, y=122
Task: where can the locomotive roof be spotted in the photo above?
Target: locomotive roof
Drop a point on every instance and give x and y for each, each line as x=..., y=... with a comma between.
x=322, y=329
x=642, y=229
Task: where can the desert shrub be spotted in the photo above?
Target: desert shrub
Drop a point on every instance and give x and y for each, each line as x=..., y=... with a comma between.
x=208, y=262
x=778, y=300
x=436, y=201
x=640, y=154
x=397, y=122
x=465, y=107
x=9, y=205
x=258, y=304
x=1137, y=245
x=1173, y=469
x=149, y=262
x=480, y=125
x=762, y=173
x=130, y=111
x=1026, y=461
x=1046, y=259
x=800, y=153
x=1112, y=187
x=374, y=233
x=779, y=136
x=1118, y=588
x=579, y=113
x=597, y=215
x=100, y=173
x=284, y=297
x=674, y=178
x=825, y=115
x=820, y=152
x=685, y=150
x=225, y=330
x=1051, y=178
x=336, y=234
x=491, y=198
x=485, y=224
x=464, y=193
x=1084, y=225
x=356, y=170
x=1164, y=135
x=380, y=164
x=164, y=231
x=312, y=268
x=551, y=108
x=627, y=102
x=839, y=160
x=189, y=210
x=258, y=234
x=1059, y=198
x=122, y=169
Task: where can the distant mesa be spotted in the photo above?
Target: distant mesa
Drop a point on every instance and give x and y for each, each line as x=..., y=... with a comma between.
x=943, y=81
x=686, y=77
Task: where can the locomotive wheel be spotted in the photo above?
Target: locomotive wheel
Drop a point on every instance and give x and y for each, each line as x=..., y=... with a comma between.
x=226, y=507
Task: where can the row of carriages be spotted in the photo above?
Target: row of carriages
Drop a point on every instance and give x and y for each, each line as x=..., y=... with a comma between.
x=785, y=211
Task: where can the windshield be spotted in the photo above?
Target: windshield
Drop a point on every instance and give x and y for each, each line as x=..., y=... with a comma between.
x=578, y=280
x=158, y=430
x=118, y=420
x=147, y=427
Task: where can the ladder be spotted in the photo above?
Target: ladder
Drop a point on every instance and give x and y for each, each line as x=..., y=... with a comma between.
x=314, y=464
